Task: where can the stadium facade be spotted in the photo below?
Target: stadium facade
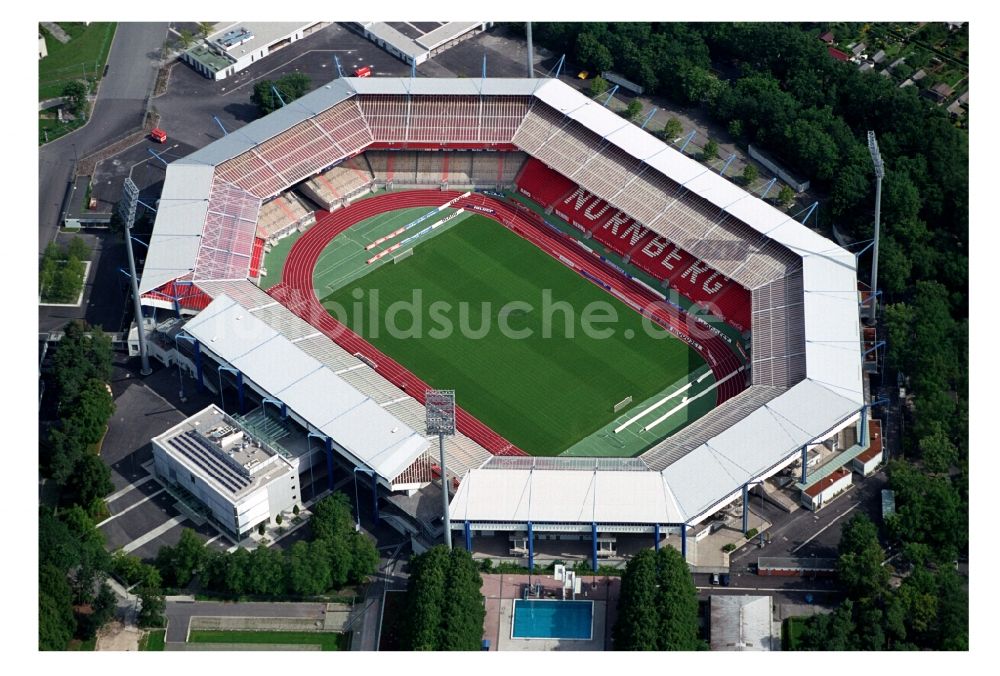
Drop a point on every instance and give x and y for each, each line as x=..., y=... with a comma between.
x=805, y=382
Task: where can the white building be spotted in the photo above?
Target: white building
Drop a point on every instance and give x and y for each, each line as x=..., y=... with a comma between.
x=826, y=489
x=241, y=481
x=415, y=43
x=234, y=45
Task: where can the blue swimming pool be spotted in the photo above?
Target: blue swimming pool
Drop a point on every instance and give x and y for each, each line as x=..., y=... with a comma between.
x=553, y=619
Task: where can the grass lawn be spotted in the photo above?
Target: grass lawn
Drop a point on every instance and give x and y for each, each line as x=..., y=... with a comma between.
x=542, y=392
x=153, y=640
x=790, y=632
x=82, y=57
x=327, y=640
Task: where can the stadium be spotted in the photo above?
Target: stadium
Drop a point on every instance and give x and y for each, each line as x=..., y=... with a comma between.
x=489, y=190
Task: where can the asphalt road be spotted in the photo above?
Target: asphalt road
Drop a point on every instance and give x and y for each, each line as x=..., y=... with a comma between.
x=119, y=108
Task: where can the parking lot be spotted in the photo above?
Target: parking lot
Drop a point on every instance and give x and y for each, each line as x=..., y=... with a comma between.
x=143, y=515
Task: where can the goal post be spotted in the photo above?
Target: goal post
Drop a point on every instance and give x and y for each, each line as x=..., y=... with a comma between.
x=406, y=254
x=623, y=403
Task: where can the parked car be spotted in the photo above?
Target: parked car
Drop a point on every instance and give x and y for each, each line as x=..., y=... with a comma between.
x=725, y=579
x=715, y=578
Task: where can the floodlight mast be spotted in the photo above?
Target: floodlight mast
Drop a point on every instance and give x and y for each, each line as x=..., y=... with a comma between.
x=531, y=63
x=879, y=174
x=440, y=407
x=128, y=208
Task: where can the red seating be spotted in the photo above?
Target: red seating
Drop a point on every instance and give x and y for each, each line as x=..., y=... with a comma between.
x=650, y=252
x=542, y=184
x=255, y=257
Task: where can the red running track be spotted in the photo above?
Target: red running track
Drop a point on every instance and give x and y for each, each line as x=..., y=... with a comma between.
x=297, y=293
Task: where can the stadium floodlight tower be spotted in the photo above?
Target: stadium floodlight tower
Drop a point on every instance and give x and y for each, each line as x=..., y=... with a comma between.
x=127, y=207
x=440, y=405
x=879, y=174
x=531, y=49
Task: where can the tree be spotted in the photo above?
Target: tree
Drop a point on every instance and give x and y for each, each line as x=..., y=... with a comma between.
x=463, y=611
x=56, y=623
x=638, y=624
x=294, y=85
x=735, y=128
x=78, y=249
x=658, y=607
x=152, y=607
x=364, y=558
x=677, y=602
x=860, y=557
x=633, y=110
x=593, y=53
x=710, y=150
x=443, y=609
x=75, y=93
x=295, y=510
x=936, y=450
x=260, y=528
x=180, y=563
x=237, y=574
x=833, y=631
x=91, y=411
x=749, y=173
x=278, y=519
x=672, y=129
x=598, y=86
x=205, y=28
x=90, y=482
x=308, y=569
x=185, y=37
x=786, y=196
x=267, y=572
x=102, y=610
x=424, y=598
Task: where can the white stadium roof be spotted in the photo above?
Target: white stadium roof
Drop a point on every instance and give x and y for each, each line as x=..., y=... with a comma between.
x=807, y=375
x=307, y=387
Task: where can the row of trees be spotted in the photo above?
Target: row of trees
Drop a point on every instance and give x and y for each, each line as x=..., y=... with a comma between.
x=782, y=91
x=337, y=555
x=74, y=599
x=81, y=368
x=290, y=86
x=928, y=610
x=61, y=271
x=444, y=607
x=658, y=606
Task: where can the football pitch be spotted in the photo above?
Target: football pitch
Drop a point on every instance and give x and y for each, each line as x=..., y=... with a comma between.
x=542, y=381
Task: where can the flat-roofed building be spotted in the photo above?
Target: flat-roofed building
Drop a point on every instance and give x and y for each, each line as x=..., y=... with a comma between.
x=239, y=479
x=234, y=45
x=743, y=623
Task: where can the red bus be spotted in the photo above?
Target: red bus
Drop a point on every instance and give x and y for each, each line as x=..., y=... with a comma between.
x=158, y=135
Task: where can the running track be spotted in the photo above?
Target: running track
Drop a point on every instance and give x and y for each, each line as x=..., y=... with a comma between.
x=297, y=293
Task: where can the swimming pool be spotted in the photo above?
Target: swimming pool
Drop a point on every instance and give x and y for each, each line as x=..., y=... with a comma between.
x=573, y=620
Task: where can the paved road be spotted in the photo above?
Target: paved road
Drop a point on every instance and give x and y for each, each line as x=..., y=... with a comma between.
x=120, y=106
x=179, y=613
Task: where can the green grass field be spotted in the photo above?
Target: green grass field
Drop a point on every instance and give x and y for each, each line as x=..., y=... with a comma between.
x=326, y=640
x=83, y=57
x=543, y=393
x=154, y=639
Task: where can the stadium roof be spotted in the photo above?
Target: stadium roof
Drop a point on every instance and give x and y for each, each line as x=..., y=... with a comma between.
x=621, y=497
x=308, y=388
x=807, y=375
